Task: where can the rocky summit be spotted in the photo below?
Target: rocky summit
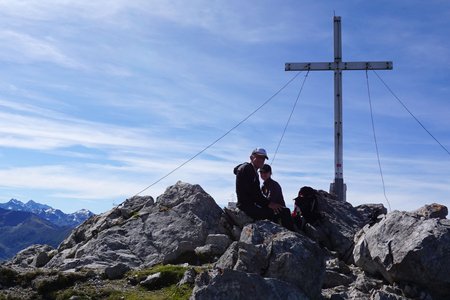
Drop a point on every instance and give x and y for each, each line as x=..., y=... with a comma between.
x=184, y=246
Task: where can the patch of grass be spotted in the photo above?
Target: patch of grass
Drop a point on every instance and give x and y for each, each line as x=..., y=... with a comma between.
x=135, y=214
x=172, y=292
x=8, y=277
x=117, y=292
x=25, y=279
x=170, y=274
x=48, y=287
x=86, y=293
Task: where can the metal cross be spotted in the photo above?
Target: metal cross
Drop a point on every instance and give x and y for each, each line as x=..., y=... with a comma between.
x=338, y=187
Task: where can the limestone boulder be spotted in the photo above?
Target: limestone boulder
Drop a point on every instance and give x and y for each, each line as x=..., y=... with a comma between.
x=371, y=213
x=234, y=220
x=34, y=256
x=270, y=250
x=405, y=247
x=142, y=232
x=231, y=284
x=338, y=224
x=433, y=210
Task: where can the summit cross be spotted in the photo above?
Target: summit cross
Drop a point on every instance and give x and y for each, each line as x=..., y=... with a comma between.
x=338, y=187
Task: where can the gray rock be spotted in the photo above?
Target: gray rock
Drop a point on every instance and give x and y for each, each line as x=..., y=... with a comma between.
x=237, y=217
x=366, y=284
x=382, y=295
x=338, y=224
x=117, y=271
x=245, y=257
x=270, y=250
x=333, y=279
x=141, y=232
x=236, y=232
x=208, y=253
x=337, y=265
x=188, y=277
x=151, y=281
x=433, y=210
x=41, y=259
x=230, y=284
x=371, y=212
x=216, y=245
x=407, y=248
x=221, y=241
x=361, y=287
x=34, y=256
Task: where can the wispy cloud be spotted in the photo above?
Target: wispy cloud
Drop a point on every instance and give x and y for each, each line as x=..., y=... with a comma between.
x=23, y=48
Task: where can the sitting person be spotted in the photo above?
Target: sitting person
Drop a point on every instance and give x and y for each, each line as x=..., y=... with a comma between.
x=249, y=196
x=272, y=191
x=270, y=188
x=305, y=211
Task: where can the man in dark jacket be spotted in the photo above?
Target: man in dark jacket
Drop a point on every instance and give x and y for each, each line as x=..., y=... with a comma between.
x=249, y=195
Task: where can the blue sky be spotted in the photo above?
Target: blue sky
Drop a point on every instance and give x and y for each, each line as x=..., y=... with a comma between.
x=100, y=99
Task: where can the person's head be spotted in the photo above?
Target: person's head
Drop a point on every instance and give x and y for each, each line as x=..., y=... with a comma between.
x=258, y=156
x=305, y=192
x=265, y=171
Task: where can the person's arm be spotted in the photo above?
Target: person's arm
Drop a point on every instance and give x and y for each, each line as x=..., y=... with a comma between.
x=276, y=207
x=276, y=194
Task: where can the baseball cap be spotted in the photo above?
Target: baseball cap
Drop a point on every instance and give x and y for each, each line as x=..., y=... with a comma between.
x=260, y=151
x=266, y=168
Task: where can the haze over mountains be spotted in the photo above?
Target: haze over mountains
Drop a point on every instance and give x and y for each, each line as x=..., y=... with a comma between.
x=25, y=224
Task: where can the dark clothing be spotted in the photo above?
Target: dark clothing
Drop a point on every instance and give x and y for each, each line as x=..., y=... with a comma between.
x=248, y=189
x=306, y=205
x=266, y=213
x=272, y=190
x=252, y=201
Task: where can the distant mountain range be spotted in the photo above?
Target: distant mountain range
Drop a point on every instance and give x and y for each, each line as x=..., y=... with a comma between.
x=25, y=224
x=48, y=213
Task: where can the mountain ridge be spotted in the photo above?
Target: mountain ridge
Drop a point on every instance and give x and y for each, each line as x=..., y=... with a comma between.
x=25, y=224
x=49, y=213
x=21, y=229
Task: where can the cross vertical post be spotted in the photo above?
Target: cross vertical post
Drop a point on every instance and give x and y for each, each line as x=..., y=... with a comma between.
x=338, y=187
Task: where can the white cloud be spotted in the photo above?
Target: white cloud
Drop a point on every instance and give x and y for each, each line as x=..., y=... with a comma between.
x=23, y=48
x=38, y=133
x=47, y=10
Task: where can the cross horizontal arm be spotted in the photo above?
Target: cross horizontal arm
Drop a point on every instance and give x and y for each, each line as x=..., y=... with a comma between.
x=326, y=66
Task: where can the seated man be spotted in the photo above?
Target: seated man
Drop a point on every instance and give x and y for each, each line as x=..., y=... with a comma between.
x=249, y=196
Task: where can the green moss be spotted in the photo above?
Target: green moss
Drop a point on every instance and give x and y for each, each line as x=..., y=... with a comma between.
x=129, y=293
x=86, y=284
x=169, y=273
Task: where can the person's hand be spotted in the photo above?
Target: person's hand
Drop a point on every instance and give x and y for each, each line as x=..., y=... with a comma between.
x=276, y=207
